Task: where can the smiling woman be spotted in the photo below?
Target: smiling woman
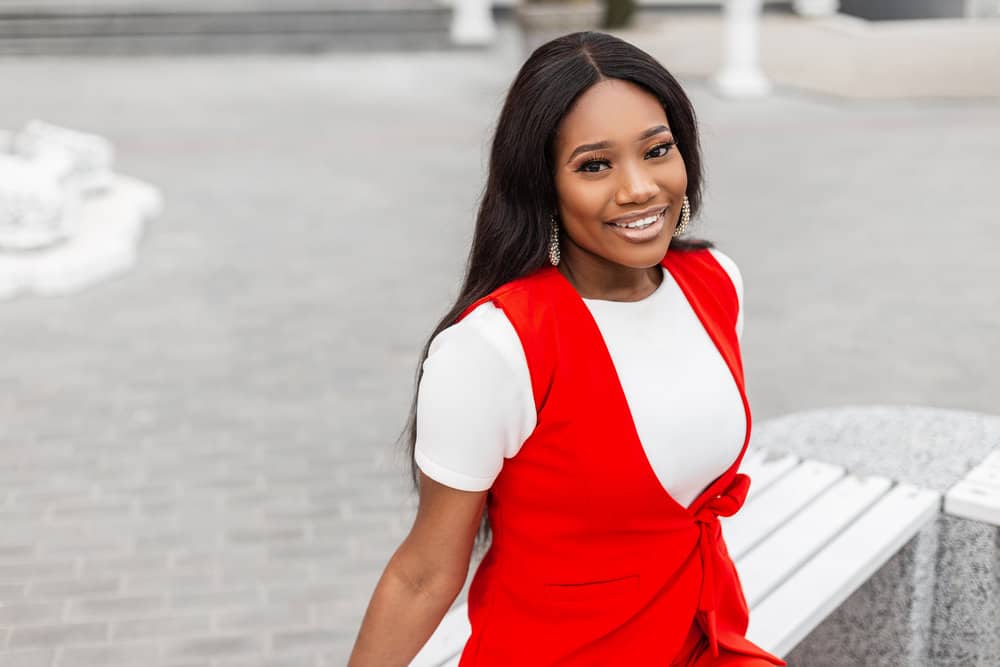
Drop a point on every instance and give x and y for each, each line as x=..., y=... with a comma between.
x=584, y=397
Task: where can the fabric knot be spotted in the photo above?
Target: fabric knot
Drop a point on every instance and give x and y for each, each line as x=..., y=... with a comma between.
x=726, y=503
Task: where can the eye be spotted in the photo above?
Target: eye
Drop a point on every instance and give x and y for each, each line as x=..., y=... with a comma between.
x=661, y=150
x=592, y=166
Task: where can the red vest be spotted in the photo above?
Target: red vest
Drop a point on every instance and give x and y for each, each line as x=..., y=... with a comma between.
x=592, y=561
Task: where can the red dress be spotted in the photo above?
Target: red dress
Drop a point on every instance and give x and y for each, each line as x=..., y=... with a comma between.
x=592, y=561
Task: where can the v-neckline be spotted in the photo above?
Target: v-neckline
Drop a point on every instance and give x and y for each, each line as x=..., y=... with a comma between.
x=722, y=480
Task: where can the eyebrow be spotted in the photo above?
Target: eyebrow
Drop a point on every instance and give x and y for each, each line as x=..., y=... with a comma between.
x=584, y=148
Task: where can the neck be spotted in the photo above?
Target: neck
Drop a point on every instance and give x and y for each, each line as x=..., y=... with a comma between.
x=594, y=277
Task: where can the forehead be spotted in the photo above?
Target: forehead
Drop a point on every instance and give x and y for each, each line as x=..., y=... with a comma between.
x=612, y=110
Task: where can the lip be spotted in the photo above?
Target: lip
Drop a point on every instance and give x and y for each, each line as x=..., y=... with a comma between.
x=644, y=235
x=632, y=217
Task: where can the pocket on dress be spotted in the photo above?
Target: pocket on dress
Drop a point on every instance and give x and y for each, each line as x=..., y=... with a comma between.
x=594, y=590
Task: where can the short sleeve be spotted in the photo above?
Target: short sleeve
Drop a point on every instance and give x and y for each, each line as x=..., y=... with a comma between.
x=474, y=403
x=726, y=262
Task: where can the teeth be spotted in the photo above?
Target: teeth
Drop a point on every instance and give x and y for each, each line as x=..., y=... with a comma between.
x=638, y=224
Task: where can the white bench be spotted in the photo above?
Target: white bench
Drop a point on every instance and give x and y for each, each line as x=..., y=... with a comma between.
x=977, y=495
x=808, y=536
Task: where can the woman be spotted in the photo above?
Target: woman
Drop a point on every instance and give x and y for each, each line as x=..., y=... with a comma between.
x=586, y=390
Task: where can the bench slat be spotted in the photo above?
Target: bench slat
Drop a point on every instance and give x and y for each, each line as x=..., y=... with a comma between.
x=773, y=560
x=779, y=502
x=765, y=468
x=987, y=472
x=977, y=495
x=971, y=499
x=791, y=612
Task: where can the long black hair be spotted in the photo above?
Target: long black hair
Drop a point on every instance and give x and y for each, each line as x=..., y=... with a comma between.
x=512, y=227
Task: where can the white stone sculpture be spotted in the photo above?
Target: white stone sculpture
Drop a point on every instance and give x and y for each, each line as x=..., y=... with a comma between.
x=36, y=210
x=66, y=219
x=88, y=158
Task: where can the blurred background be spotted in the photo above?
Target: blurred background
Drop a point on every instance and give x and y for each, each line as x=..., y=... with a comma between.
x=198, y=456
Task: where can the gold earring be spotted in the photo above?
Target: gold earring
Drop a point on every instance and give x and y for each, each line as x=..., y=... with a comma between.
x=685, y=217
x=553, y=240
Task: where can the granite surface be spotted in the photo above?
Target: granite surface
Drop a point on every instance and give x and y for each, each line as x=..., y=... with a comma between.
x=928, y=447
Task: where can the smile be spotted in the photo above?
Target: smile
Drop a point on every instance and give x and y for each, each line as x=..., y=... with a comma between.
x=642, y=223
x=643, y=219
x=642, y=229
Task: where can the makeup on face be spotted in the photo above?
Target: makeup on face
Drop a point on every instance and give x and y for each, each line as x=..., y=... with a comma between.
x=620, y=181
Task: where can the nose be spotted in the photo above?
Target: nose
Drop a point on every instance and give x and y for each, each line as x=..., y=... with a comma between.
x=637, y=185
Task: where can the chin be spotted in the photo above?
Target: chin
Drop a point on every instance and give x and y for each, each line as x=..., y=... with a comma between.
x=643, y=258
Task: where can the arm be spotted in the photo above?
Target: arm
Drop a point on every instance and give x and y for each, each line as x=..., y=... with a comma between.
x=422, y=578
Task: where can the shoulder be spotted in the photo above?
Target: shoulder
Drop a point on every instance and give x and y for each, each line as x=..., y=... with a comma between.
x=529, y=290
x=730, y=267
x=709, y=265
x=528, y=308
x=485, y=331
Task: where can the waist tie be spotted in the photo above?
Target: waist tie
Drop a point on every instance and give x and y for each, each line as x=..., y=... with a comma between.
x=725, y=503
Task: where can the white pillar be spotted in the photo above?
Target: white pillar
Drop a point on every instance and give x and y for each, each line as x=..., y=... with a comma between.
x=741, y=75
x=816, y=8
x=472, y=22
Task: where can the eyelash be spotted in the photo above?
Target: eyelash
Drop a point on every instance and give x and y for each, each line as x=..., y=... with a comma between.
x=599, y=159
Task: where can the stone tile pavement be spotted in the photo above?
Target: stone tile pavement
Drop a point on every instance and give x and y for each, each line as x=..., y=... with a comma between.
x=197, y=461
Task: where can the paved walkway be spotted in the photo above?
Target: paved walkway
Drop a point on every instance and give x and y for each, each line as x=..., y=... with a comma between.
x=197, y=461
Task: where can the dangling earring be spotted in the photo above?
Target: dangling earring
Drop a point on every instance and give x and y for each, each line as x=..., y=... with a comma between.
x=553, y=241
x=685, y=217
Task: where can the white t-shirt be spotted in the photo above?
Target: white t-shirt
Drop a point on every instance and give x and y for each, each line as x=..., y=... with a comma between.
x=475, y=406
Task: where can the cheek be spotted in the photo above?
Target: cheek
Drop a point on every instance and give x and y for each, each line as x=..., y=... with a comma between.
x=584, y=199
x=679, y=174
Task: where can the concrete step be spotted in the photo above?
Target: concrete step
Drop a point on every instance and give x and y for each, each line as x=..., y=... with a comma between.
x=94, y=7
x=840, y=55
x=185, y=26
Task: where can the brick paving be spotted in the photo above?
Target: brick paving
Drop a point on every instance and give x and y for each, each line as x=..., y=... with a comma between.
x=197, y=460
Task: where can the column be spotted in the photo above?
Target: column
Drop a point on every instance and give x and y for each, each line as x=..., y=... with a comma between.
x=741, y=75
x=816, y=8
x=472, y=22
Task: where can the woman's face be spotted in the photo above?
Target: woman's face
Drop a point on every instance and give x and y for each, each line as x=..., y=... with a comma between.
x=619, y=178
